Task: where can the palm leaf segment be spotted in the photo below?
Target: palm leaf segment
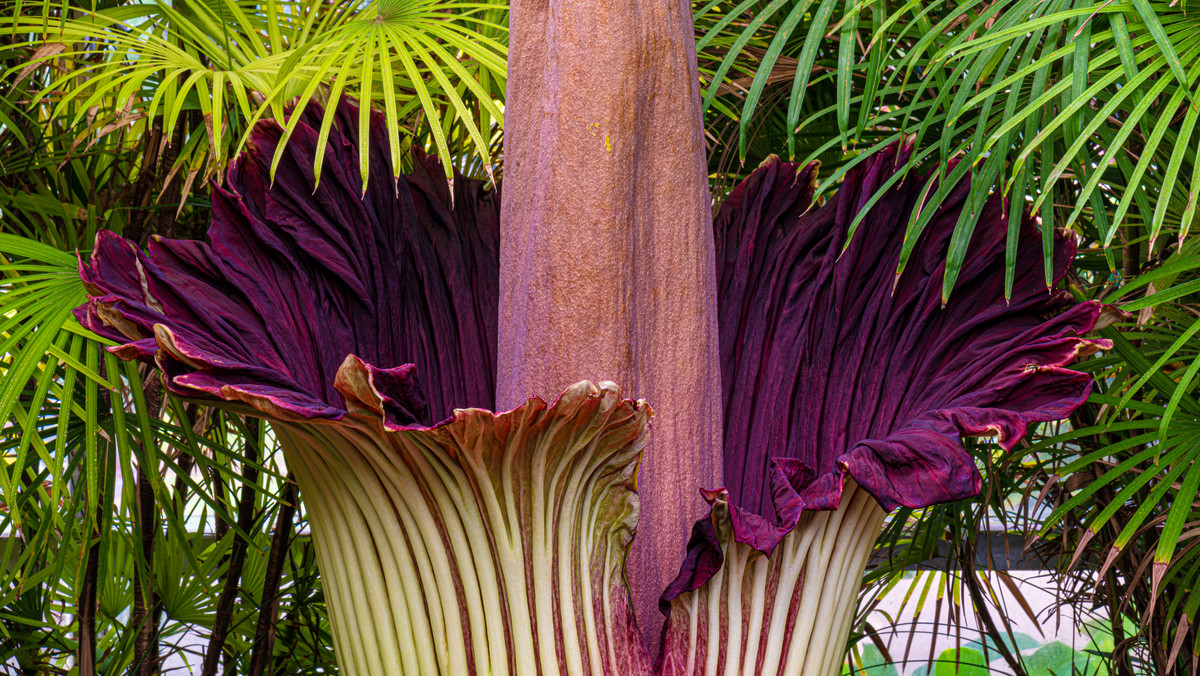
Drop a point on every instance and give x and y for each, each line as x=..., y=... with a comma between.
x=234, y=62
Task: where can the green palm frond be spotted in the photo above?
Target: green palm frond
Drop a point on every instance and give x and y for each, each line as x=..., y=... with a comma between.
x=1085, y=111
x=229, y=63
x=37, y=335
x=81, y=431
x=1128, y=473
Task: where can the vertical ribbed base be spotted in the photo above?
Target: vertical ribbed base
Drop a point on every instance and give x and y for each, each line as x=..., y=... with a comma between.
x=789, y=613
x=493, y=544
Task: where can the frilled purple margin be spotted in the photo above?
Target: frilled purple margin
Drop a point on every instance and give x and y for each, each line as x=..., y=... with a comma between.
x=832, y=366
x=295, y=285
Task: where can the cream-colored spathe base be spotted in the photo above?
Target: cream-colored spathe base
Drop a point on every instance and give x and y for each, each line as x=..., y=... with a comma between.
x=786, y=614
x=494, y=544
x=497, y=544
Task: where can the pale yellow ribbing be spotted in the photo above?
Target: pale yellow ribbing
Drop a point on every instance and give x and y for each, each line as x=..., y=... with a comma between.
x=483, y=546
x=819, y=565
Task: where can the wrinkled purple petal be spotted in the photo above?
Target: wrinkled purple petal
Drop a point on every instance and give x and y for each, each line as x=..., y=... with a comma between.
x=833, y=366
x=826, y=364
x=293, y=280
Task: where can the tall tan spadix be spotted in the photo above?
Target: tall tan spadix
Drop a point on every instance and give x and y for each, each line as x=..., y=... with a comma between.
x=607, y=267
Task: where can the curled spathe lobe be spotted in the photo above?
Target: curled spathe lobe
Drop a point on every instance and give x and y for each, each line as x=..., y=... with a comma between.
x=302, y=297
x=835, y=368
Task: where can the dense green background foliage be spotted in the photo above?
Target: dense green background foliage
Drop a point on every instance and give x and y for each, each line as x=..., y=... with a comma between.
x=130, y=517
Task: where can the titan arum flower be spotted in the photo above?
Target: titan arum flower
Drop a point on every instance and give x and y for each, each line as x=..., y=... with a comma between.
x=455, y=540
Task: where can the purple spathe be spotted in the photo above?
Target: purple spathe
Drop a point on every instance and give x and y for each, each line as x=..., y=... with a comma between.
x=833, y=367
x=293, y=280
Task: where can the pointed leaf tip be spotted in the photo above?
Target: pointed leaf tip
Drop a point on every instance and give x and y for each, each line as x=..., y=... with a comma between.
x=1114, y=552
x=1088, y=534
